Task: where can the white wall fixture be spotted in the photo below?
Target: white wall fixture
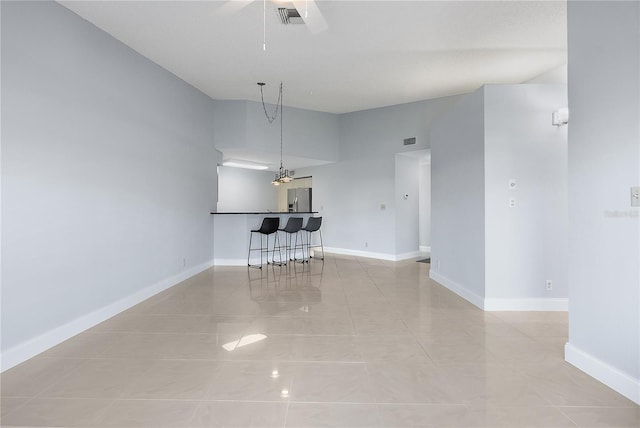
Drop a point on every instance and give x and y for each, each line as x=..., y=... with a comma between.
x=635, y=196
x=560, y=117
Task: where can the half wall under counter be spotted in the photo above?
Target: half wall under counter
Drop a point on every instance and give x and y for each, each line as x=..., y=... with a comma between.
x=231, y=233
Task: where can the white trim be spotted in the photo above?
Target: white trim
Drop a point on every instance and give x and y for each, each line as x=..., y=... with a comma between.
x=425, y=249
x=369, y=254
x=605, y=373
x=373, y=255
x=407, y=256
x=23, y=351
x=492, y=304
x=230, y=262
x=531, y=304
x=460, y=290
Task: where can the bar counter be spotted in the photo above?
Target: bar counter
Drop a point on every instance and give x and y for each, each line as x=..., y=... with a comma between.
x=231, y=233
x=267, y=212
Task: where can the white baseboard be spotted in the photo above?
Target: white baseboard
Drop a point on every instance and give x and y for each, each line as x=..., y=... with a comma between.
x=22, y=352
x=229, y=262
x=605, y=373
x=492, y=304
x=459, y=289
x=425, y=249
x=358, y=253
x=406, y=256
x=373, y=255
x=526, y=304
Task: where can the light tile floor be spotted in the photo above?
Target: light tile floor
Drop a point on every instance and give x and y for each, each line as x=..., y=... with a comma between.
x=348, y=342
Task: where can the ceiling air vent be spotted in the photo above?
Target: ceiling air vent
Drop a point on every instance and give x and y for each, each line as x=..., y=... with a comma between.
x=289, y=16
x=409, y=141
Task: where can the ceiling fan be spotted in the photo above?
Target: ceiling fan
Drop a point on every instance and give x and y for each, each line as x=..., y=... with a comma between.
x=291, y=12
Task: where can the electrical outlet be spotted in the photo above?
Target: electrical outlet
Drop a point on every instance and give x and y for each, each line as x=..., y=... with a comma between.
x=184, y=262
x=549, y=284
x=438, y=264
x=366, y=245
x=512, y=202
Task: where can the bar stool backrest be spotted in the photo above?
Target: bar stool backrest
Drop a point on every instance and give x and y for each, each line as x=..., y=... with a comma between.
x=294, y=224
x=269, y=225
x=313, y=224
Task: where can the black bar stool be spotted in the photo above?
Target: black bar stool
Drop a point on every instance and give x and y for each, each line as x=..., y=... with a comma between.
x=313, y=225
x=294, y=225
x=268, y=227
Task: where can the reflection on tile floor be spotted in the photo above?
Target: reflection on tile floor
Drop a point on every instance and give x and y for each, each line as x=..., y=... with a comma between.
x=348, y=342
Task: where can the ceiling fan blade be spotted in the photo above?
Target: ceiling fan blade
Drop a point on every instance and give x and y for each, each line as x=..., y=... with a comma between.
x=311, y=15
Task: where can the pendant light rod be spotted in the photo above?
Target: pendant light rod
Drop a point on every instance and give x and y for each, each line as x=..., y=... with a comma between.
x=264, y=107
x=282, y=176
x=264, y=25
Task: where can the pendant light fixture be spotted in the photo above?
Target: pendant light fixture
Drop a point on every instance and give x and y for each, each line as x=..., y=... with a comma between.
x=282, y=176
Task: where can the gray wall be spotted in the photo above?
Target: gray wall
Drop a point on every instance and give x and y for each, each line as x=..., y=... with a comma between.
x=604, y=162
x=407, y=210
x=382, y=130
x=527, y=244
x=242, y=130
x=108, y=172
x=306, y=133
x=246, y=190
x=230, y=124
x=350, y=192
x=457, y=195
x=425, y=204
x=498, y=256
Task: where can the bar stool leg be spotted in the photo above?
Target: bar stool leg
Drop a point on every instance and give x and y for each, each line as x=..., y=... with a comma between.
x=249, y=252
x=276, y=243
x=295, y=247
x=321, y=245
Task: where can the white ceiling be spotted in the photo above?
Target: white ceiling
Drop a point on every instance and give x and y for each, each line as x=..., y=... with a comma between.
x=372, y=54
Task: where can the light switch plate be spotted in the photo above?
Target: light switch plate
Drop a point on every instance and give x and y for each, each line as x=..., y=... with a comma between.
x=635, y=196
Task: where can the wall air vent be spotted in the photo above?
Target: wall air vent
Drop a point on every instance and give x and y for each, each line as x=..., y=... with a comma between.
x=409, y=141
x=289, y=16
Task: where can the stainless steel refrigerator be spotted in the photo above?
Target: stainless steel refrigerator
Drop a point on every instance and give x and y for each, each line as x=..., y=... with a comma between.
x=299, y=200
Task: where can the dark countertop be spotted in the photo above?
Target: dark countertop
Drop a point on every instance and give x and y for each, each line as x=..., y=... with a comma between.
x=268, y=212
